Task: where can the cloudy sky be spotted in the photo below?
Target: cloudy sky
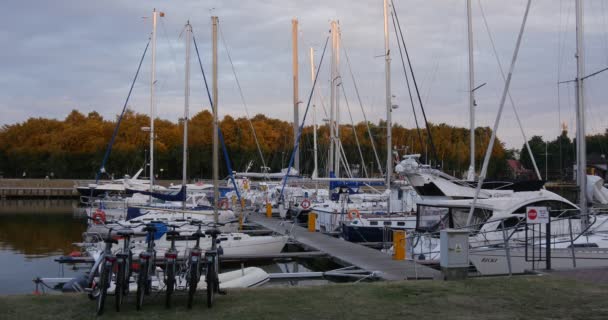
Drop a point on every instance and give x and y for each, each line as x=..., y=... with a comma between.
x=62, y=55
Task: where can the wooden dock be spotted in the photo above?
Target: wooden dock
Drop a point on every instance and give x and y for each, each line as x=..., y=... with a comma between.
x=350, y=253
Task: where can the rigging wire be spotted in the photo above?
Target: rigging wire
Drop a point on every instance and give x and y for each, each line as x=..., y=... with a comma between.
x=502, y=73
x=219, y=130
x=312, y=90
x=369, y=130
x=238, y=84
x=352, y=122
x=124, y=109
x=428, y=129
x=407, y=83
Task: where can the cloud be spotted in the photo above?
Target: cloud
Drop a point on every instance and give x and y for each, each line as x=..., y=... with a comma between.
x=68, y=54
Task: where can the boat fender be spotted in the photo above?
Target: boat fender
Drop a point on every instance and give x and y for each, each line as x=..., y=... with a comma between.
x=223, y=204
x=77, y=284
x=305, y=204
x=353, y=212
x=75, y=254
x=99, y=217
x=220, y=250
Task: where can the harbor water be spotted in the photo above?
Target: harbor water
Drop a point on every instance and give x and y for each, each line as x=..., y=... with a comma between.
x=35, y=232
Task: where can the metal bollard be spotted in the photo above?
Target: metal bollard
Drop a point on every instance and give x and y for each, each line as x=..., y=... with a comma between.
x=312, y=221
x=268, y=210
x=399, y=244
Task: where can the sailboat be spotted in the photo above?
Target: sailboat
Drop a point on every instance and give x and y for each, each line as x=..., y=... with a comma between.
x=500, y=239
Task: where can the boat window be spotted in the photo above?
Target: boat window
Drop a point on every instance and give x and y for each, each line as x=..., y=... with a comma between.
x=387, y=223
x=223, y=239
x=401, y=223
x=237, y=238
x=373, y=223
x=557, y=209
x=356, y=222
x=428, y=218
x=400, y=194
x=511, y=222
x=460, y=216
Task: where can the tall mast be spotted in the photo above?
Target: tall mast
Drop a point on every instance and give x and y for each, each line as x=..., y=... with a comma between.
x=314, y=115
x=186, y=110
x=332, y=133
x=338, y=82
x=216, y=194
x=580, y=116
x=296, y=116
x=471, y=173
x=152, y=102
x=387, y=70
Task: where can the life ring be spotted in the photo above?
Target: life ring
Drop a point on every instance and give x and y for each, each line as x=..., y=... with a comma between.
x=354, y=212
x=99, y=217
x=305, y=204
x=223, y=204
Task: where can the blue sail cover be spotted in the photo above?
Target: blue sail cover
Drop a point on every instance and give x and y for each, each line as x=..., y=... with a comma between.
x=172, y=196
x=350, y=184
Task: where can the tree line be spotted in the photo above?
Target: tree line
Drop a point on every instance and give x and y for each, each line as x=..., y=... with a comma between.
x=556, y=158
x=74, y=147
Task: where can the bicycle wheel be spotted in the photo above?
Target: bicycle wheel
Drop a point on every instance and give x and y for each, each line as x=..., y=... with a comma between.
x=210, y=279
x=104, y=282
x=142, y=283
x=170, y=284
x=193, y=282
x=120, y=283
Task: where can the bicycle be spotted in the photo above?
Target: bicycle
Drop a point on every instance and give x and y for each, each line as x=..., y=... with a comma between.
x=171, y=264
x=107, y=263
x=194, y=263
x=212, y=270
x=124, y=260
x=147, y=265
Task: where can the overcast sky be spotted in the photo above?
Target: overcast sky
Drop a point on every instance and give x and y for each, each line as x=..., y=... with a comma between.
x=62, y=55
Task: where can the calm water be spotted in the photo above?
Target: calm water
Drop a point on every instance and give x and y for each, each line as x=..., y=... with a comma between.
x=32, y=234
x=35, y=232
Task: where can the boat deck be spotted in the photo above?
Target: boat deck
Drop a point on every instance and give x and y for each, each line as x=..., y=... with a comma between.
x=350, y=253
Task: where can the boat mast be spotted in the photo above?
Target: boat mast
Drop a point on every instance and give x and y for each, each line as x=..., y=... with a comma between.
x=216, y=195
x=389, y=146
x=471, y=173
x=580, y=117
x=188, y=40
x=338, y=82
x=387, y=71
x=332, y=98
x=152, y=104
x=314, y=115
x=296, y=116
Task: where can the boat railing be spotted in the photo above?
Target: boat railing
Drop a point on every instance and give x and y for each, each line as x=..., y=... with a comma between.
x=566, y=229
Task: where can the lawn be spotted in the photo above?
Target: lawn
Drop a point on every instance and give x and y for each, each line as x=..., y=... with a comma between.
x=529, y=297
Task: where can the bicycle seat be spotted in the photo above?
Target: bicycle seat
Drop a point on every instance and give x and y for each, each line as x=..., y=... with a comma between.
x=212, y=232
x=125, y=233
x=149, y=229
x=174, y=226
x=110, y=240
x=172, y=233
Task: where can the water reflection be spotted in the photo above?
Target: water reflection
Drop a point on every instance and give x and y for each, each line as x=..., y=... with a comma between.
x=39, y=229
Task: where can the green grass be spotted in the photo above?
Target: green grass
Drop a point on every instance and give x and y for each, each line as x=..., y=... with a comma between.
x=531, y=297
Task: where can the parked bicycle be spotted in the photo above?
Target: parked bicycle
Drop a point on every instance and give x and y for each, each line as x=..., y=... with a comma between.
x=124, y=261
x=147, y=265
x=212, y=258
x=105, y=275
x=171, y=264
x=194, y=262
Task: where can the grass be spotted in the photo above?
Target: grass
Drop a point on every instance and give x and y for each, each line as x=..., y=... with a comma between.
x=530, y=297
